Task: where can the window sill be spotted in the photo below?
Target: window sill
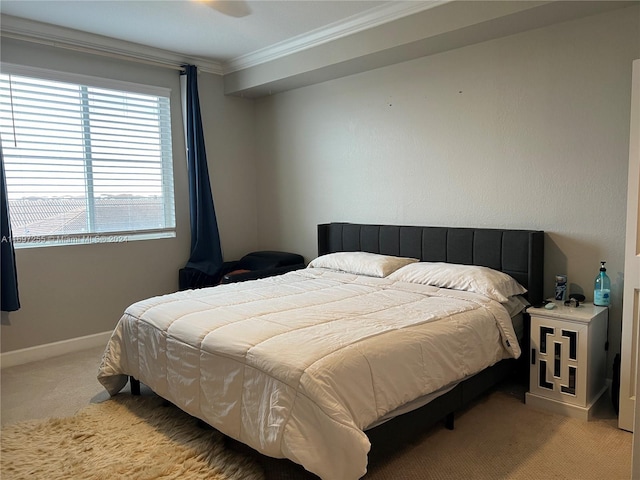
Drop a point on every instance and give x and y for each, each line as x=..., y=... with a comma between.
x=88, y=239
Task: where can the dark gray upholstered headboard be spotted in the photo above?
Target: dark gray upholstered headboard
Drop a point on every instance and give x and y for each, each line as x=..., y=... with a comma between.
x=519, y=253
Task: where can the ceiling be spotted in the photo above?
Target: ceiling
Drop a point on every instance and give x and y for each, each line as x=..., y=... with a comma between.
x=267, y=46
x=218, y=31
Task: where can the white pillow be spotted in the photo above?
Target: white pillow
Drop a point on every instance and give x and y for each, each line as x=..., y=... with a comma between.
x=515, y=305
x=472, y=278
x=361, y=263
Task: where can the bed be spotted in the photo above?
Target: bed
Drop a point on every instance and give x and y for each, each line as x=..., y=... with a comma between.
x=316, y=364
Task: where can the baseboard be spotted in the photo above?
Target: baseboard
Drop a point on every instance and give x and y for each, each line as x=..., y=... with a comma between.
x=49, y=350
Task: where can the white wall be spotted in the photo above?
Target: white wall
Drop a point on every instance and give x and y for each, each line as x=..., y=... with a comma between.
x=528, y=131
x=73, y=291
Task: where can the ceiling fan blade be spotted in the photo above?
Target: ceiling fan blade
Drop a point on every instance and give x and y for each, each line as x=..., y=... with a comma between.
x=232, y=8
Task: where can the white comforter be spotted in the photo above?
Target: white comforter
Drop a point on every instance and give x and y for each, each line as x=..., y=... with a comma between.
x=299, y=365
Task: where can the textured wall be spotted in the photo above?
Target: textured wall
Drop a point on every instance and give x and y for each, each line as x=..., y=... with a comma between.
x=527, y=131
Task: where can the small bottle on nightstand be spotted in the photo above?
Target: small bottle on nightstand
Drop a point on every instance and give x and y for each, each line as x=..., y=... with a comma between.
x=602, y=288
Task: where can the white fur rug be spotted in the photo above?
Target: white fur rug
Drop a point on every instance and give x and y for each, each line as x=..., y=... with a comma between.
x=125, y=437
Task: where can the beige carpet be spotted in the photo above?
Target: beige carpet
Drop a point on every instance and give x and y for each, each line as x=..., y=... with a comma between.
x=498, y=437
x=125, y=437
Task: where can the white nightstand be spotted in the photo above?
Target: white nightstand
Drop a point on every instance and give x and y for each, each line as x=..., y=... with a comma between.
x=568, y=359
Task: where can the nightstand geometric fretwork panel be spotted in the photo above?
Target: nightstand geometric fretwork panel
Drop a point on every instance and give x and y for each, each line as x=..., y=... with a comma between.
x=558, y=363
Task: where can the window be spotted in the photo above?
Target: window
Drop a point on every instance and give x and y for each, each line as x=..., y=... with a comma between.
x=86, y=160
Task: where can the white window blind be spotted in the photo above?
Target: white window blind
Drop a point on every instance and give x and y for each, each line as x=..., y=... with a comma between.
x=85, y=163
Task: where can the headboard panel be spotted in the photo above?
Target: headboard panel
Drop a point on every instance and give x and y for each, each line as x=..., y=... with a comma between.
x=519, y=253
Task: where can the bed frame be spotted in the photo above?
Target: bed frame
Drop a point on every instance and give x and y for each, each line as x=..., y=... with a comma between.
x=519, y=253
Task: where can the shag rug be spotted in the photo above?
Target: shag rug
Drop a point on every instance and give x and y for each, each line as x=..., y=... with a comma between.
x=142, y=437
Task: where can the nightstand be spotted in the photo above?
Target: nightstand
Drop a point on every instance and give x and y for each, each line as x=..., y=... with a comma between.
x=568, y=359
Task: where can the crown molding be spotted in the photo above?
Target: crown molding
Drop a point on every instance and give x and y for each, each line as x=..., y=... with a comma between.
x=47, y=34
x=61, y=37
x=357, y=23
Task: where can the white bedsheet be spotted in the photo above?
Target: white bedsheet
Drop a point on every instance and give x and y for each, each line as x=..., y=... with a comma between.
x=299, y=365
